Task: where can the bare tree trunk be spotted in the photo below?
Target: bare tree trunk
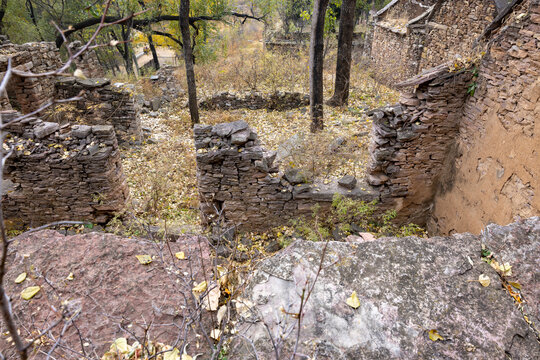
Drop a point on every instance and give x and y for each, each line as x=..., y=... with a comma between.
x=183, y=19
x=153, y=51
x=316, y=60
x=344, y=55
x=3, y=6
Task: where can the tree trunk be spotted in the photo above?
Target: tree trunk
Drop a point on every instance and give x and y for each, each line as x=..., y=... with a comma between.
x=344, y=55
x=3, y=6
x=183, y=19
x=126, y=53
x=153, y=51
x=316, y=59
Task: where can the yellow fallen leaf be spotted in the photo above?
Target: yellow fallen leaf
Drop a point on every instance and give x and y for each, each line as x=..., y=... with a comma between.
x=30, y=292
x=70, y=276
x=506, y=269
x=221, y=314
x=186, y=357
x=215, y=334
x=174, y=354
x=434, y=335
x=180, y=255
x=120, y=345
x=20, y=278
x=353, y=301
x=144, y=259
x=223, y=277
x=484, y=280
x=200, y=288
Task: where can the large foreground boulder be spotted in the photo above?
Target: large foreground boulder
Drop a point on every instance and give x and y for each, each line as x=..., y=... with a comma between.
x=418, y=299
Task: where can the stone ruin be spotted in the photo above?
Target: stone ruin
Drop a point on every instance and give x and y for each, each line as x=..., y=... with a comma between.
x=61, y=172
x=411, y=36
x=278, y=101
x=102, y=103
x=68, y=167
x=239, y=183
x=459, y=151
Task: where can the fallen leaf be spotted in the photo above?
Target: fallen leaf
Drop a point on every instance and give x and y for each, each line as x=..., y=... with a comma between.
x=506, y=269
x=200, y=288
x=174, y=354
x=180, y=255
x=484, y=280
x=215, y=334
x=70, y=276
x=144, y=259
x=79, y=74
x=221, y=314
x=30, y=292
x=223, y=278
x=434, y=335
x=353, y=301
x=20, y=278
x=211, y=300
x=515, y=284
x=120, y=345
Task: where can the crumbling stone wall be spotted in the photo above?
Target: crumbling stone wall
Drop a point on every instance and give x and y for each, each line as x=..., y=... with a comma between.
x=101, y=104
x=411, y=144
x=453, y=29
x=61, y=173
x=496, y=173
x=88, y=62
x=279, y=101
x=240, y=185
x=29, y=94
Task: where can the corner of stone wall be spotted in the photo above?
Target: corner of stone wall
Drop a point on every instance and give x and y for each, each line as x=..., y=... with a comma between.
x=61, y=172
x=410, y=143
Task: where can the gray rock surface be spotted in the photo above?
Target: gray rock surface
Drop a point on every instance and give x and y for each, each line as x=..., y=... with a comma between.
x=406, y=287
x=348, y=182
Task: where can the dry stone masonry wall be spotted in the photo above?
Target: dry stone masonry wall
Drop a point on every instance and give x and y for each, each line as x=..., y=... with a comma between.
x=28, y=94
x=411, y=144
x=279, y=101
x=88, y=62
x=61, y=173
x=101, y=104
x=497, y=171
x=240, y=185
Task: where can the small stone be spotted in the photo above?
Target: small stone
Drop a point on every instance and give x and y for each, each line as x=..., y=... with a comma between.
x=240, y=137
x=348, y=182
x=81, y=131
x=45, y=129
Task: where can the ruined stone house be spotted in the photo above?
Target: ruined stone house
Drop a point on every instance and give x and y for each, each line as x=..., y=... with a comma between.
x=411, y=36
x=459, y=151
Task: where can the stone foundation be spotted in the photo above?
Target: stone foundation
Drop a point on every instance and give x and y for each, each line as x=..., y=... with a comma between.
x=101, y=104
x=61, y=173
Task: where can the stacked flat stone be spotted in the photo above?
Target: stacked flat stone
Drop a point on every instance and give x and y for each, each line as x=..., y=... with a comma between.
x=88, y=62
x=279, y=101
x=102, y=104
x=411, y=144
x=29, y=94
x=61, y=172
x=240, y=185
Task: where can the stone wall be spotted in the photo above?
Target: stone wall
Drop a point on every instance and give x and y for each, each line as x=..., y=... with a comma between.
x=101, y=104
x=496, y=174
x=240, y=185
x=61, y=173
x=453, y=29
x=29, y=94
x=279, y=101
x=88, y=62
x=412, y=142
